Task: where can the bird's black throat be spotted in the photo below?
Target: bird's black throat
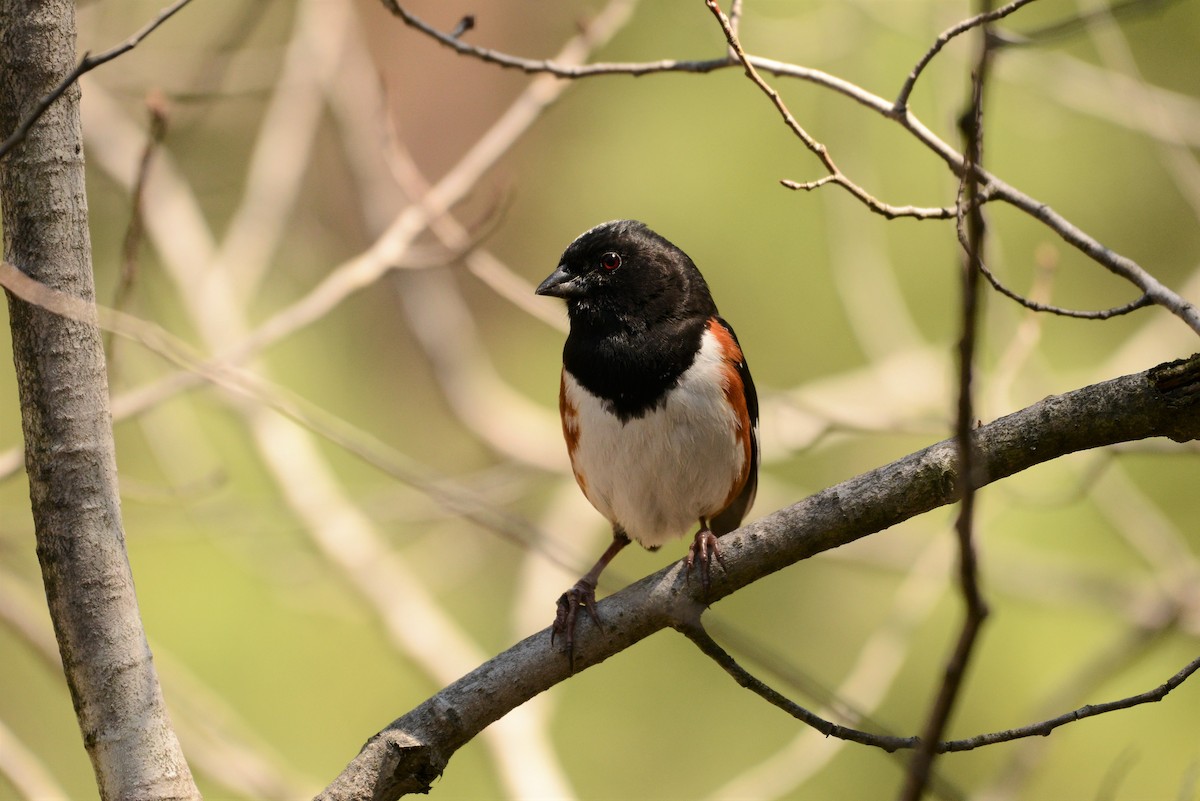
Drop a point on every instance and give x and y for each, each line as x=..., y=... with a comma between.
x=631, y=367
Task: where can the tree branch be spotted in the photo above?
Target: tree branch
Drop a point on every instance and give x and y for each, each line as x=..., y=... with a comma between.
x=943, y=39
x=413, y=750
x=972, y=233
x=1140, y=302
x=695, y=632
x=86, y=64
x=891, y=743
x=835, y=176
x=558, y=68
x=1044, y=727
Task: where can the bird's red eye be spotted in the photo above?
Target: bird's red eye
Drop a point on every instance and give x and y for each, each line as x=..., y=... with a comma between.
x=610, y=260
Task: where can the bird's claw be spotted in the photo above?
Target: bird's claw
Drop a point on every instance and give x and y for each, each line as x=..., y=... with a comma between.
x=583, y=594
x=703, y=548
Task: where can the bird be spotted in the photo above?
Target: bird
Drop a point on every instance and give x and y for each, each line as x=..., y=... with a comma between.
x=659, y=412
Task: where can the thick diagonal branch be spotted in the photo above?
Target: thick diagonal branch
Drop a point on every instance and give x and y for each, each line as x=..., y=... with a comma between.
x=407, y=755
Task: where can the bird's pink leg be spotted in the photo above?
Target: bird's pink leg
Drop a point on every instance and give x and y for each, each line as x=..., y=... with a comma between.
x=583, y=594
x=703, y=548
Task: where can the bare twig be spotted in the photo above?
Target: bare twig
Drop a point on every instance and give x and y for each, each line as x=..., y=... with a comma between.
x=156, y=105
x=835, y=176
x=86, y=64
x=972, y=232
x=887, y=210
x=558, y=67
x=1115, y=263
x=1043, y=728
x=1077, y=22
x=1140, y=302
x=695, y=632
x=863, y=685
x=942, y=40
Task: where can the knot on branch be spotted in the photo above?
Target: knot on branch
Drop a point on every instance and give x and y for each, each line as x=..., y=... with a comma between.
x=1178, y=383
x=395, y=763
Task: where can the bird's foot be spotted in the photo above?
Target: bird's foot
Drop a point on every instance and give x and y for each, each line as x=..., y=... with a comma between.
x=582, y=595
x=704, y=549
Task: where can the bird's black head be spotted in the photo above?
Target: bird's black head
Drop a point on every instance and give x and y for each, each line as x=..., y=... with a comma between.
x=622, y=275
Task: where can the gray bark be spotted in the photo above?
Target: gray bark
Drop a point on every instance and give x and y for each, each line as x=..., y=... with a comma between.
x=69, y=451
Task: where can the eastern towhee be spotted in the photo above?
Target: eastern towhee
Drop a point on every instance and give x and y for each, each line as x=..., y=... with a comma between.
x=658, y=408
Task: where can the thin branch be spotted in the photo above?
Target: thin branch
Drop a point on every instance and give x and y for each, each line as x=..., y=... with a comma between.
x=156, y=105
x=1140, y=302
x=695, y=632
x=972, y=233
x=942, y=40
x=1077, y=22
x=1115, y=263
x=86, y=64
x=868, y=680
x=885, y=209
x=558, y=68
x=1087, y=711
x=816, y=148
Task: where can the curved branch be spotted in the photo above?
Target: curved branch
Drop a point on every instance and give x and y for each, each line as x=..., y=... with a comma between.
x=943, y=39
x=1044, y=728
x=86, y=64
x=712, y=649
x=407, y=755
x=818, y=149
x=1114, y=262
x=972, y=234
x=550, y=66
x=891, y=743
x=1140, y=302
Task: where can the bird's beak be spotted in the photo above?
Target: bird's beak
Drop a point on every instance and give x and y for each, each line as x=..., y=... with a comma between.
x=560, y=284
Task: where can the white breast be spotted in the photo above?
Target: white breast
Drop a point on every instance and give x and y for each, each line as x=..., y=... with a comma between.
x=656, y=475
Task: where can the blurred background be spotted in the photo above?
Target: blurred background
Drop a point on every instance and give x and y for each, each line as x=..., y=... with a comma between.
x=386, y=502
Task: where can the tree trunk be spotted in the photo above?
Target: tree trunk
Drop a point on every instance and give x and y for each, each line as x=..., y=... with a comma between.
x=69, y=451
